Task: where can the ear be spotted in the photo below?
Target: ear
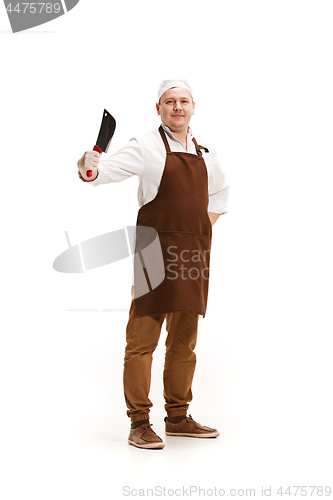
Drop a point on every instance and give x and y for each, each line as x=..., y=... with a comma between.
x=193, y=108
x=158, y=108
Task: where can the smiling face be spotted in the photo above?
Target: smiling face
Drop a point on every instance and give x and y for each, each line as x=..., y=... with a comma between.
x=176, y=109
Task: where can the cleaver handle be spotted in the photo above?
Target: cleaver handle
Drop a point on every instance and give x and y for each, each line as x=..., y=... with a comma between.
x=95, y=148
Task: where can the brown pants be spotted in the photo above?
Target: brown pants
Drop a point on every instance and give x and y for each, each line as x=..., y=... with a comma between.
x=142, y=336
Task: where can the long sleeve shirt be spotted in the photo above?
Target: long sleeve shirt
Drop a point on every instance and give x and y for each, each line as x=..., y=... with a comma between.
x=145, y=157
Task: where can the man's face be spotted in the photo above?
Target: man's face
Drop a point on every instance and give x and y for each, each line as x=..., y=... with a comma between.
x=176, y=109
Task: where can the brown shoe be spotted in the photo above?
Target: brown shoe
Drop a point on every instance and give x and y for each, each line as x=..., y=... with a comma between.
x=188, y=427
x=144, y=437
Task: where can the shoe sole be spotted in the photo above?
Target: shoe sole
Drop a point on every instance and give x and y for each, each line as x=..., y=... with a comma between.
x=186, y=434
x=151, y=446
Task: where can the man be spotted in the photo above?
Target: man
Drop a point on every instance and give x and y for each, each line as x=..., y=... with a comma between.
x=182, y=192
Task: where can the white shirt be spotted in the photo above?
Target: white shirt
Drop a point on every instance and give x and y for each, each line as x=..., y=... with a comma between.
x=145, y=157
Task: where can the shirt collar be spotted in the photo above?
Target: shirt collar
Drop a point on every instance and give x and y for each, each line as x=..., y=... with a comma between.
x=171, y=136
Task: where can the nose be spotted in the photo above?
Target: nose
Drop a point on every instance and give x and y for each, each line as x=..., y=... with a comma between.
x=178, y=105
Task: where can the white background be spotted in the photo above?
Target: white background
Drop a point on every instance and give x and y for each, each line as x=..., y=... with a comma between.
x=262, y=77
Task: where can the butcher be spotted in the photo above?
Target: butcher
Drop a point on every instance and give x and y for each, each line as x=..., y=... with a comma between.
x=182, y=192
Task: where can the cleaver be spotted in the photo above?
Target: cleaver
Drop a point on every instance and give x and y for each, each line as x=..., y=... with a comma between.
x=108, y=126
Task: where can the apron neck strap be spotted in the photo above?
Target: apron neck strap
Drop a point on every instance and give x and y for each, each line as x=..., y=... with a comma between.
x=198, y=148
x=166, y=144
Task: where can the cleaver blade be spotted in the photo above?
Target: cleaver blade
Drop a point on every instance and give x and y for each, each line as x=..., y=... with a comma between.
x=108, y=127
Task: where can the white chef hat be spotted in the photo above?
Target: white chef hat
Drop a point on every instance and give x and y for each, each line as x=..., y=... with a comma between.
x=169, y=84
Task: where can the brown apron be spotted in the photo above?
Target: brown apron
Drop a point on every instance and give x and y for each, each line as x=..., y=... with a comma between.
x=179, y=215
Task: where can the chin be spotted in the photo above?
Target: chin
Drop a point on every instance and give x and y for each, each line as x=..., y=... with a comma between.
x=177, y=125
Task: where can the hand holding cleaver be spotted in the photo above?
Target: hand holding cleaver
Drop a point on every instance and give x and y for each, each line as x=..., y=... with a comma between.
x=108, y=126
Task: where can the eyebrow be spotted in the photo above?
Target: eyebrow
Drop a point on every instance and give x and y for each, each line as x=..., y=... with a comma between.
x=173, y=98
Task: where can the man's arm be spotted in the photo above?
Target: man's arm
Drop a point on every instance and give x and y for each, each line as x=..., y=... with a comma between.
x=125, y=163
x=218, y=187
